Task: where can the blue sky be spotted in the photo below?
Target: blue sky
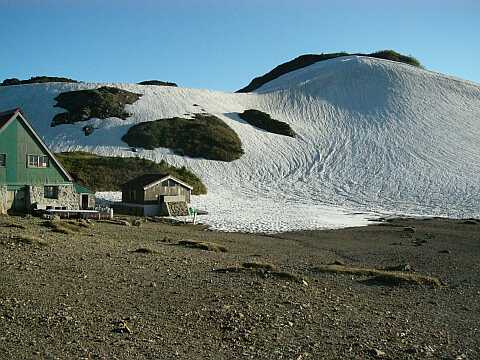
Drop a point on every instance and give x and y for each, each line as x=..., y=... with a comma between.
x=223, y=44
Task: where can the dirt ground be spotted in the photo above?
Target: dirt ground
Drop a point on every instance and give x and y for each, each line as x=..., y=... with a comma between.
x=109, y=291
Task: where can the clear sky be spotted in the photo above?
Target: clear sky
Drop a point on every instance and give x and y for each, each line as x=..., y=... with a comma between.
x=223, y=44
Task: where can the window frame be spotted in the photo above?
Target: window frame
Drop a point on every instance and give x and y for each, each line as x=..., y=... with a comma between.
x=3, y=160
x=37, y=162
x=52, y=193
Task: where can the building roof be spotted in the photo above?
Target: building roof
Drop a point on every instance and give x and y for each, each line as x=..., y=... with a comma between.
x=148, y=180
x=6, y=117
x=80, y=189
x=144, y=180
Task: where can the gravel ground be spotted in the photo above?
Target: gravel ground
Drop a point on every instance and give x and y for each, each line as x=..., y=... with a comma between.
x=110, y=291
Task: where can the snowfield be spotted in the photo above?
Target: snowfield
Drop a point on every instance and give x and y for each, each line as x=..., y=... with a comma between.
x=374, y=137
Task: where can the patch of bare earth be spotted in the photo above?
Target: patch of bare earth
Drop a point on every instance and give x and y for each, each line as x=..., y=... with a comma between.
x=108, y=291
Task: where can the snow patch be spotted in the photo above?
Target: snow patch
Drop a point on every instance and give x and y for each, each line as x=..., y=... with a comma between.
x=374, y=136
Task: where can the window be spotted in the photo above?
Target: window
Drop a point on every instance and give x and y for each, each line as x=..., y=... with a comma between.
x=50, y=192
x=3, y=160
x=169, y=182
x=38, y=161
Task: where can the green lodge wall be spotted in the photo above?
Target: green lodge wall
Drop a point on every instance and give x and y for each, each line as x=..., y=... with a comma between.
x=17, y=143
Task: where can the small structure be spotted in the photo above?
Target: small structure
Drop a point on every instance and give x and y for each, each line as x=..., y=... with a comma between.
x=86, y=197
x=30, y=175
x=155, y=194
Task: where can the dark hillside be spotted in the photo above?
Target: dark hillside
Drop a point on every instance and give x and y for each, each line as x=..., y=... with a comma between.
x=157, y=82
x=107, y=173
x=36, y=80
x=204, y=136
x=265, y=122
x=102, y=103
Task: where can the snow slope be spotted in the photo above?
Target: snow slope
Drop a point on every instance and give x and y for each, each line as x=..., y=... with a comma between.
x=374, y=136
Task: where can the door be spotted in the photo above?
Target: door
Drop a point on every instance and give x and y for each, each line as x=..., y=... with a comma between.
x=84, y=201
x=10, y=199
x=19, y=203
x=16, y=200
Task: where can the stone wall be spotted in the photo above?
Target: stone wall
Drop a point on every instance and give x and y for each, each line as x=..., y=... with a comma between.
x=177, y=208
x=3, y=200
x=67, y=197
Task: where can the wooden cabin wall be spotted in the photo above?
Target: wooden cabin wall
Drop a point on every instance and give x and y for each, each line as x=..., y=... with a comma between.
x=152, y=193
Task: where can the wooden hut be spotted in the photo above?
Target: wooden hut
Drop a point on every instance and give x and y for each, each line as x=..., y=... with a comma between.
x=155, y=194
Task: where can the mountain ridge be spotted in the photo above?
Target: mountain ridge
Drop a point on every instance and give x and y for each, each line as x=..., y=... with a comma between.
x=310, y=59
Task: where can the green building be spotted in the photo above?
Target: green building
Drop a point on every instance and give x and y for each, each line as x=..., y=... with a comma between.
x=30, y=175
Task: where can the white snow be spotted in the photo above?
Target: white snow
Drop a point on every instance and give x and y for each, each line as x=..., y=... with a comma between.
x=374, y=137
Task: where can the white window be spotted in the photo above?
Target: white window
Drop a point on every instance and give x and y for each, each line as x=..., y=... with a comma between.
x=169, y=182
x=3, y=160
x=50, y=192
x=38, y=161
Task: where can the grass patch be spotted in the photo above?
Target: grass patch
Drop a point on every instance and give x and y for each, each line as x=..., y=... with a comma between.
x=29, y=240
x=115, y=222
x=382, y=276
x=157, y=82
x=263, y=270
x=307, y=60
x=203, y=245
x=101, y=103
x=105, y=173
x=13, y=225
x=258, y=265
x=36, y=80
x=204, y=136
x=64, y=227
x=144, y=250
x=263, y=121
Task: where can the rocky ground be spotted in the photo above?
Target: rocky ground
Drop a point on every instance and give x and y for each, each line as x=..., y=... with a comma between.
x=111, y=291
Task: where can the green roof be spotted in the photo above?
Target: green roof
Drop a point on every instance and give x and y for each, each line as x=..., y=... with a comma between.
x=82, y=189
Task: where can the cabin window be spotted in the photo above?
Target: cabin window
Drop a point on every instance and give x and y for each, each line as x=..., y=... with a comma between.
x=169, y=182
x=38, y=161
x=50, y=192
x=3, y=160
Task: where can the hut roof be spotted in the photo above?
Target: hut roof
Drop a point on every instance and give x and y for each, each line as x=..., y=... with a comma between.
x=148, y=180
x=144, y=180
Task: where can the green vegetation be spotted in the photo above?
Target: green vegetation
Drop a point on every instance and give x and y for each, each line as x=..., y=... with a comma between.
x=383, y=276
x=202, y=245
x=204, y=136
x=102, y=173
x=35, y=80
x=101, y=103
x=65, y=227
x=258, y=265
x=265, y=122
x=394, y=56
x=309, y=59
x=28, y=240
x=157, y=82
x=144, y=250
x=263, y=270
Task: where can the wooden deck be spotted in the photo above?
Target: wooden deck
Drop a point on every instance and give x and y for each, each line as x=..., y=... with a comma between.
x=82, y=214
